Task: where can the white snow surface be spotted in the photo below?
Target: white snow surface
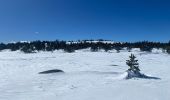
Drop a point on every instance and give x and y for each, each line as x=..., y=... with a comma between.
x=88, y=76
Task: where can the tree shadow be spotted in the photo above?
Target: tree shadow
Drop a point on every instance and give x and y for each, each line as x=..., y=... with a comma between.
x=150, y=77
x=131, y=74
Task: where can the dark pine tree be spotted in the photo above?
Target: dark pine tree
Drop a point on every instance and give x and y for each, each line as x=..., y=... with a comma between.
x=2, y=46
x=129, y=48
x=133, y=64
x=94, y=48
x=118, y=48
x=69, y=49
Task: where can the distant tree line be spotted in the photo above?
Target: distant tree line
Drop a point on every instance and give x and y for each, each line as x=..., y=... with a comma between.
x=71, y=46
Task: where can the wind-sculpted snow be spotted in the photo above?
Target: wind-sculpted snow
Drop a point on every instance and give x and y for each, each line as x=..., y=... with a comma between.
x=87, y=76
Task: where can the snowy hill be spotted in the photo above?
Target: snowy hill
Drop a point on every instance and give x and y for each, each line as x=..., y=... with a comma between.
x=88, y=76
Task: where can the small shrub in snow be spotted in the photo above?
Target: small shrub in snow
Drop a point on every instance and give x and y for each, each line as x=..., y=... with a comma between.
x=28, y=49
x=94, y=48
x=129, y=49
x=134, y=70
x=168, y=50
x=133, y=64
x=69, y=49
x=146, y=48
x=118, y=49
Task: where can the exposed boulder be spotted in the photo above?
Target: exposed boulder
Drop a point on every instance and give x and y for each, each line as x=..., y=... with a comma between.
x=51, y=71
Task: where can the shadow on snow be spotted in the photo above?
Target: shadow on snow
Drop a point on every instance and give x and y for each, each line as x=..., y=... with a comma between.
x=131, y=74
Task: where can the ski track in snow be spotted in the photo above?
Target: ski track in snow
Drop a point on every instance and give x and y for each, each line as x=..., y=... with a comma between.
x=88, y=76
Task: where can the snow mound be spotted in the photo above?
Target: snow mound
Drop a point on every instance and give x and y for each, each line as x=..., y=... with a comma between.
x=123, y=76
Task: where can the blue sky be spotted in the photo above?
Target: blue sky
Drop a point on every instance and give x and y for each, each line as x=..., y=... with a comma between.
x=118, y=20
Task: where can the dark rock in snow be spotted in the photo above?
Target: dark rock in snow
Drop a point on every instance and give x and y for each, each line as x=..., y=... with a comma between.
x=113, y=65
x=51, y=71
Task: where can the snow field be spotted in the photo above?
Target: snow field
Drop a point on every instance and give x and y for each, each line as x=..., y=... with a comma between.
x=88, y=76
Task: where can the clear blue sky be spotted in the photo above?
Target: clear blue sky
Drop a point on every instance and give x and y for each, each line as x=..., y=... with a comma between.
x=118, y=20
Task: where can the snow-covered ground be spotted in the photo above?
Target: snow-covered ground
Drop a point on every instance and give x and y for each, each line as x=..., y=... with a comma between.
x=88, y=76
